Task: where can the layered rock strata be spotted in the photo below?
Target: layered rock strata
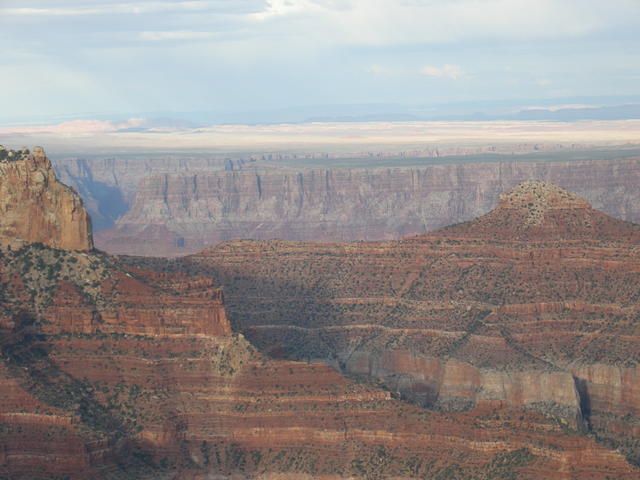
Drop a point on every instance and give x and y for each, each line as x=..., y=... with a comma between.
x=169, y=391
x=112, y=371
x=108, y=185
x=534, y=305
x=177, y=214
x=36, y=207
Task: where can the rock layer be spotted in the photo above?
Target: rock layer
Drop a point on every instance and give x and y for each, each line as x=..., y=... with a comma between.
x=169, y=391
x=534, y=306
x=112, y=371
x=108, y=185
x=176, y=214
x=37, y=208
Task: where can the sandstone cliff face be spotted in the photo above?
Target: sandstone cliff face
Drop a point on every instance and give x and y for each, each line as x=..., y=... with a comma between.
x=450, y=384
x=175, y=214
x=534, y=305
x=37, y=208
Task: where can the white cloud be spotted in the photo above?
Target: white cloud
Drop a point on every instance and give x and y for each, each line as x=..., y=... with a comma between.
x=388, y=22
x=264, y=53
x=112, y=8
x=156, y=36
x=282, y=8
x=278, y=8
x=454, y=72
x=360, y=22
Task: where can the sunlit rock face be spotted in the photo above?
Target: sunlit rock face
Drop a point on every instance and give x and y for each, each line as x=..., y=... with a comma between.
x=36, y=207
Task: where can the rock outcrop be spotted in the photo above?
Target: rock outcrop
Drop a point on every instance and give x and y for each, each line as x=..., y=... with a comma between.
x=532, y=306
x=180, y=213
x=541, y=211
x=36, y=207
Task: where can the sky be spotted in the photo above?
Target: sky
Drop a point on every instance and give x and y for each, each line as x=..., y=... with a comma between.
x=71, y=59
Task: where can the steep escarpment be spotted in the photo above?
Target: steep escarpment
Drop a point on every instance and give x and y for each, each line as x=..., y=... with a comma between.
x=111, y=371
x=533, y=306
x=175, y=214
x=108, y=185
x=56, y=421
x=36, y=207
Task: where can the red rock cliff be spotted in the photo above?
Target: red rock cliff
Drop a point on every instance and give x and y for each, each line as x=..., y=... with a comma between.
x=36, y=207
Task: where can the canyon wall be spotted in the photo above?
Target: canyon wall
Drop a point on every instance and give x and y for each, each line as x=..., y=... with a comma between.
x=108, y=185
x=168, y=391
x=533, y=306
x=36, y=207
x=176, y=214
x=111, y=371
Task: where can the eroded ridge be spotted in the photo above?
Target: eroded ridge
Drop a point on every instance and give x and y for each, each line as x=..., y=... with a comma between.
x=540, y=316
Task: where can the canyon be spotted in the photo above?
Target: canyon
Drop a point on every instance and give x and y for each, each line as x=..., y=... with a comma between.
x=108, y=185
x=110, y=369
x=532, y=306
x=172, y=208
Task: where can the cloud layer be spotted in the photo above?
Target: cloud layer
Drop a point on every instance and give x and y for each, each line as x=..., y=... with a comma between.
x=160, y=55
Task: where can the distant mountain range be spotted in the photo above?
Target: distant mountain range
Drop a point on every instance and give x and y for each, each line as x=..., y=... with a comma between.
x=558, y=109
